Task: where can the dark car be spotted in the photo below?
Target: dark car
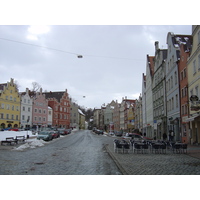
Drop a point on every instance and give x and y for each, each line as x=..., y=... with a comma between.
x=55, y=134
x=69, y=131
x=118, y=133
x=64, y=131
x=45, y=135
x=99, y=132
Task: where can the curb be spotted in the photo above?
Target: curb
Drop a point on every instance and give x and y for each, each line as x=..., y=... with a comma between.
x=122, y=170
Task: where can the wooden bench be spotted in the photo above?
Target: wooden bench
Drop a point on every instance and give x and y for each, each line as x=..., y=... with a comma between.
x=9, y=140
x=20, y=139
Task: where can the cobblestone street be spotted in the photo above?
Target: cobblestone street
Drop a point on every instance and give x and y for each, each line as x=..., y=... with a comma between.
x=87, y=153
x=158, y=164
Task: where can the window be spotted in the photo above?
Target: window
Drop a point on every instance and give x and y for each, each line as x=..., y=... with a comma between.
x=182, y=92
x=177, y=100
x=8, y=107
x=171, y=82
x=24, y=100
x=7, y=116
x=172, y=103
x=23, y=117
x=184, y=73
x=17, y=117
x=2, y=105
x=44, y=119
x=23, y=108
x=29, y=109
x=13, y=107
x=194, y=67
x=10, y=98
x=182, y=110
x=199, y=37
x=35, y=110
x=186, y=109
x=2, y=116
x=186, y=91
x=175, y=77
x=199, y=62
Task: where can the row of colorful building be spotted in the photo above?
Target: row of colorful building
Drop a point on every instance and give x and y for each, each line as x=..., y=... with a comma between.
x=37, y=109
x=169, y=102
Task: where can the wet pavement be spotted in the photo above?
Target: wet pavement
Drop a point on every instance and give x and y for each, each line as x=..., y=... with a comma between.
x=79, y=153
x=85, y=153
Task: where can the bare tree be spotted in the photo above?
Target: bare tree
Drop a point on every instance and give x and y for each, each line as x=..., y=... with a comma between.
x=17, y=84
x=36, y=86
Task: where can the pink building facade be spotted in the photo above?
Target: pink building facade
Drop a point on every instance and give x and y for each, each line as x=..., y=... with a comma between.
x=40, y=110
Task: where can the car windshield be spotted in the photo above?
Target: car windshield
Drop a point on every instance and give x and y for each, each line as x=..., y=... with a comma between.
x=43, y=133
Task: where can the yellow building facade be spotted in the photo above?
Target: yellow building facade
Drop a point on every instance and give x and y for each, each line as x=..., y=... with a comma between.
x=9, y=105
x=194, y=86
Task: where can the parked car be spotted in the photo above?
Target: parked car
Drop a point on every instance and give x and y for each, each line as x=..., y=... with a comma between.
x=64, y=131
x=69, y=131
x=147, y=138
x=94, y=129
x=55, y=134
x=14, y=129
x=136, y=136
x=45, y=135
x=118, y=133
x=99, y=132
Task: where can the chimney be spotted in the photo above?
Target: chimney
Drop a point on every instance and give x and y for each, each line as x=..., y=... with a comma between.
x=156, y=45
x=27, y=90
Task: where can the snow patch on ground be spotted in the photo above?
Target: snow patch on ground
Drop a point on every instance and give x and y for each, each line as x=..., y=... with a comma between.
x=31, y=144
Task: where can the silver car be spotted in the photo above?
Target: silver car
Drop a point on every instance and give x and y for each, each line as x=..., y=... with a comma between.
x=45, y=135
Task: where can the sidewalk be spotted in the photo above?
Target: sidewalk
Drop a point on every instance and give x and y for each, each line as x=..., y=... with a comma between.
x=157, y=164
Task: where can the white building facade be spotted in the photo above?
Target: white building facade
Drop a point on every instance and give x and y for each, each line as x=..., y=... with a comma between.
x=26, y=109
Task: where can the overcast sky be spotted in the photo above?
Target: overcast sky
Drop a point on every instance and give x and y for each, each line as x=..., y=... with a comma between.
x=114, y=58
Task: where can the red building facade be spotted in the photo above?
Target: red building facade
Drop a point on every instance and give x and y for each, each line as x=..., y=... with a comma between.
x=185, y=49
x=60, y=104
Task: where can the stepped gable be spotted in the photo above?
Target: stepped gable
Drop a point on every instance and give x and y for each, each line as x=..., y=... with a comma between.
x=56, y=95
